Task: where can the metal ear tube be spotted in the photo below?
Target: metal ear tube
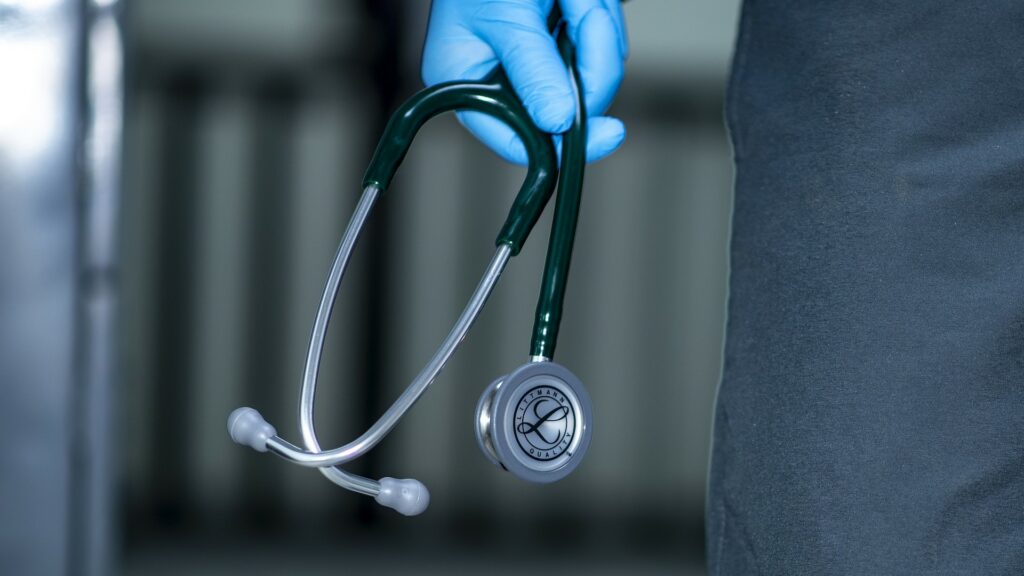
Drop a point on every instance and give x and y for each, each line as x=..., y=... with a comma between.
x=534, y=422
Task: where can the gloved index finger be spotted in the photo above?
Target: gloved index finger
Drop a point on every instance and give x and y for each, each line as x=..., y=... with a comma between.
x=600, y=63
x=518, y=34
x=615, y=9
x=576, y=10
x=595, y=33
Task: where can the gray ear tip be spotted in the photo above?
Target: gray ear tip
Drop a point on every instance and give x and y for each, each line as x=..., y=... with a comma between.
x=248, y=428
x=409, y=497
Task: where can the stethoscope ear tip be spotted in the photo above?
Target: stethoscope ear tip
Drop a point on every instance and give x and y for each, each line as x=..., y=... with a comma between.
x=248, y=428
x=408, y=496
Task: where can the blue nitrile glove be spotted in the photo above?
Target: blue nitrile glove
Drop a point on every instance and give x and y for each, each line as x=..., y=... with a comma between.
x=466, y=39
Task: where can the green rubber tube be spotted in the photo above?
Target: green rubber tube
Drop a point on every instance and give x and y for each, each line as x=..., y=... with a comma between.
x=492, y=97
x=495, y=97
x=563, y=228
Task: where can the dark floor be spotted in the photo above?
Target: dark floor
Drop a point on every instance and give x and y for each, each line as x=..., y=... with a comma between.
x=195, y=558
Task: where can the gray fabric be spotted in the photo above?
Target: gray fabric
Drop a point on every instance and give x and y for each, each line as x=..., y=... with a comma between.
x=871, y=414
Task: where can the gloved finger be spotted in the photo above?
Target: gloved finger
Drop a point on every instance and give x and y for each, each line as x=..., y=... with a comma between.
x=614, y=8
x=599, y=59
x=518, y=33
x=476, y=61
x=451, y=51
x=496, y=135
x=573, y=12
x=604, y=136
x=576, y=10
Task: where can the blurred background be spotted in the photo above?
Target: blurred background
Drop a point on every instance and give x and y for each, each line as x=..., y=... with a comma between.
x=174, y=179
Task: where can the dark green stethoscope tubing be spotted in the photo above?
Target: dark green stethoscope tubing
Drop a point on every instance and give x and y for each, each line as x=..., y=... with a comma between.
x=548, y=317
x=495, y=97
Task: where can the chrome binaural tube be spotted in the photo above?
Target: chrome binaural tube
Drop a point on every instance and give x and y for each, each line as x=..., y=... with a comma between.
x=247, y=427
x=314, y=457
x=307, y=396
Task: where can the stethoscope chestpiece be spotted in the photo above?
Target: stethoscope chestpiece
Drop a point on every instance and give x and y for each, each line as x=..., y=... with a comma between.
x=535, y=422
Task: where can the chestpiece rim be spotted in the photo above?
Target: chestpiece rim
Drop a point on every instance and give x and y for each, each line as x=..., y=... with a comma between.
x=540, y=422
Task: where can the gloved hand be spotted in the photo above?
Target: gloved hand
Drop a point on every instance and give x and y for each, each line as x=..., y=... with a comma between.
x=466, y=39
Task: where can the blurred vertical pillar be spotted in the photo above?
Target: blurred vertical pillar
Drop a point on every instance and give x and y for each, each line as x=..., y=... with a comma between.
x=59, y=166
x=270, y=241
x=93, y=466
x=385, y=18
x=176, y=240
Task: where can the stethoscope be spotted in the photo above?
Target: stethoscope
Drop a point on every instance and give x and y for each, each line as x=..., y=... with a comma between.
x=534, y=422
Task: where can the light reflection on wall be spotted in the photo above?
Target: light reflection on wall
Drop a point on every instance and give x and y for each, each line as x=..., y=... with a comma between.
x=33, y=67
